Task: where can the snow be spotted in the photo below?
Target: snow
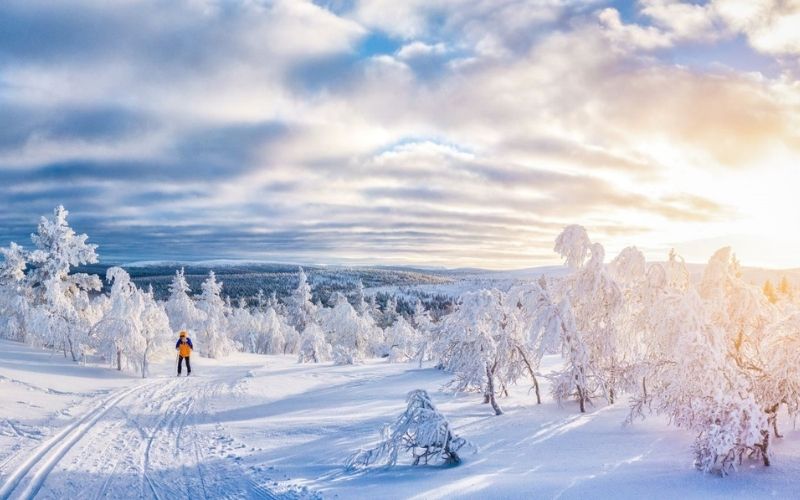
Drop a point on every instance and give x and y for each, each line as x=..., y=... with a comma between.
x=264, y=426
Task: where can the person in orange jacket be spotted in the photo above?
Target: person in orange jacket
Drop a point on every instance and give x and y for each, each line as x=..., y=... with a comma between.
x=184, y=348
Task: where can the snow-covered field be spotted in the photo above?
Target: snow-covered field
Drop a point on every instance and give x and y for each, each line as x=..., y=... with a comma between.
x=255, y=426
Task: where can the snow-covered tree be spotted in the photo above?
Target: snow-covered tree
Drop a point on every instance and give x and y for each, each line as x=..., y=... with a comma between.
x=313, y=346
x=769, y=291
x=785, y=291
x=546, y=326
x=291, y=337
x=573, y=244
x=740, y=309
x=421, y=431
x=212, y=339
x=277, y=333
x=133, y=327
x=300, y=309
x=156, y=332
x=480, y=344
x=389, y=313
x=359, y=301
x=61, y=312
x=13, y=292
x=403, y=342
x=423, y=324
x=697, y=366
x=180, y=308
x=262, y=332
x=595, y=301
x=242, y=328
x=346, y=331
x=118, y=334
x=15, y=261
x=261, y=300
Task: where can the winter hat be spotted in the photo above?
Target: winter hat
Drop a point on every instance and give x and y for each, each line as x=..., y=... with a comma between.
x=183, y=333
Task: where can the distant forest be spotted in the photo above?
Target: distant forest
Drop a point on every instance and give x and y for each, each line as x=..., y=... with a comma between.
x=242, y=283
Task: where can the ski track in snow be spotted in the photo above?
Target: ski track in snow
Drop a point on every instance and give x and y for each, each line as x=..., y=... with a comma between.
x=254, y=426
x=143, y=441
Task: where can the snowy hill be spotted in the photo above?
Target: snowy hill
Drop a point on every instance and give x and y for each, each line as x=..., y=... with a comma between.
x=266, y=427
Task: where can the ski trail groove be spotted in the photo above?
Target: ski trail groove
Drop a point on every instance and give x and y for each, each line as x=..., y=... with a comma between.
x=164, y=425
x=55, y=448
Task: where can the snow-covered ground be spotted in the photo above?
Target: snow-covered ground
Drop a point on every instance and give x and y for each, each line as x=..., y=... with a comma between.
x=253, y=426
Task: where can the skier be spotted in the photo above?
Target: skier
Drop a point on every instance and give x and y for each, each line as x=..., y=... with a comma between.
x=184, y=348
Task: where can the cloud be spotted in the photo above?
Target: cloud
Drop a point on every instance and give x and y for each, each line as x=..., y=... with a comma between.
x=450, y=132
x=683, y=20
x=770, y=25
x=419, y=49
x=632, y=36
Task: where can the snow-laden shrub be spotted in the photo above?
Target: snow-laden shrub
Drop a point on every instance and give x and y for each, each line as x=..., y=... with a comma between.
x=733, y=427
x=421, y=431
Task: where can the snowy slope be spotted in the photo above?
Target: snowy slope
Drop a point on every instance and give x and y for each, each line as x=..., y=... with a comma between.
x=255, y=426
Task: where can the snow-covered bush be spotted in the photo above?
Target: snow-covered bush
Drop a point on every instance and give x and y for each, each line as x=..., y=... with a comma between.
x=421, y=431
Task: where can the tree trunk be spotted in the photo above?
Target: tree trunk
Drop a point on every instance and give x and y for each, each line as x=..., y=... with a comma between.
x=772, y=418
x=764, y=446
x=144, y=358
x=581, y=399
x=490, y=389
x=536, y=388
x=72, y=350
x=119, y=360
x=533, y=376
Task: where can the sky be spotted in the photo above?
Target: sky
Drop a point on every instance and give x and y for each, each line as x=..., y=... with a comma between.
x=438, y=132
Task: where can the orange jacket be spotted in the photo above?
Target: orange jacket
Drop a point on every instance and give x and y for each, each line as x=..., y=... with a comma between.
x=184, y=348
